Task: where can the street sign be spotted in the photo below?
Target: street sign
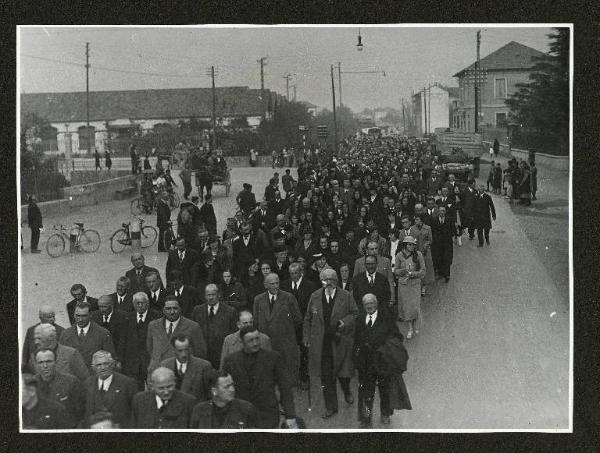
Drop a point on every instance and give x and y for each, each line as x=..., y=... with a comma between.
x=322, y=131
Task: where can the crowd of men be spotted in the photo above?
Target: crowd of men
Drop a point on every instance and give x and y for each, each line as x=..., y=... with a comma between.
x=310, y=287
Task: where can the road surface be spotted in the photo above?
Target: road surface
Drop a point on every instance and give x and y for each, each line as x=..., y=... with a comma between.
x=493, y=351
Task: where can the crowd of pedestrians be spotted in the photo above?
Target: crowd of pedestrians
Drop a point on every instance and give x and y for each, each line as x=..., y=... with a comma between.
x=317, y=286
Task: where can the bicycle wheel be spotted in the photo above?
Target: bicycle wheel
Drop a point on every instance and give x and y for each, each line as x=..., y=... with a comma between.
x=89, y=241
x=55, y=246
x=118, y=241
x=149, y=235
x=174, y=200
x=136, y=206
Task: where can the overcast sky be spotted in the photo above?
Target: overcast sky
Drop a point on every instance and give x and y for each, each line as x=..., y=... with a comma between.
x=181, y=57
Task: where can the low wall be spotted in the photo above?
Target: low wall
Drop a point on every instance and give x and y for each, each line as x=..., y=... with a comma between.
x=79, y=177
x=124, y=163
x=541, y=160
x=83, y=195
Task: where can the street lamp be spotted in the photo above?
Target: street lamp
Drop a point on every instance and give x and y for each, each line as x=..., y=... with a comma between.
x=359, y=46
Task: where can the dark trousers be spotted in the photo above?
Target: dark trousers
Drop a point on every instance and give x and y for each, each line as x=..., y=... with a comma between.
x=471, y=231
x=35, y=238
x=162, y=247
x=329, y=383
x=201, y=186
x=366, y=394
x=480, y=233
x=303, y=372
x=187, y=189
x=442, y=258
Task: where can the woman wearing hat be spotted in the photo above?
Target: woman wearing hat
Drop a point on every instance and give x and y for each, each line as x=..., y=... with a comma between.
x=410, y=270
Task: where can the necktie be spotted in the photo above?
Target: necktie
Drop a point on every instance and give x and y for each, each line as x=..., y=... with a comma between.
x=211, y=312
x=370, y=323
x=371, y=280
x=154, y=298
x=170, y=332
x=294, y=286
x=102, y=386
x=164, y=405
x=181, y=369
x=120, y=300
x=105, y=319
x=81, y=333
x=141, y=318
x=272, y=302
x=180, y=256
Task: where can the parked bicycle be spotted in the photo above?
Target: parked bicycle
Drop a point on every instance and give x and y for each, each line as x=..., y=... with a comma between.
x=168, y=237
x=141, y=205
x=122, y=237
x=85, y=240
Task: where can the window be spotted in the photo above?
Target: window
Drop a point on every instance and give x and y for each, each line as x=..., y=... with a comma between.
x=500, y=119
x=500, y=88
x=87, y=138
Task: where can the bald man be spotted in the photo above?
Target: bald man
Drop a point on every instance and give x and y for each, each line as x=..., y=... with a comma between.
x=276, y=313
x=46, y=315
x=162, y=406
x=68, y=359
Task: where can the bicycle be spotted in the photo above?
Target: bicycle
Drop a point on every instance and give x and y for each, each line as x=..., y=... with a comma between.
x=140, y=205
x=86, y=240
x=168, y=237
x=122, y=237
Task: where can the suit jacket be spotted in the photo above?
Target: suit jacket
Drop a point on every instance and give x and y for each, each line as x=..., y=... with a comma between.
x=384, y=266
x=259, y=387
x=67, y=390
x=368, y=339
x=160, y=303
x=29, y=344
x=134, y=355
x=243, y=253
x=126, y=305
x=116, y=326
x=196, y=378
x=139, y=284
x=117, y=400
x=450, y=207
x=279, y=324
x=188, y=299
x=97, y=338
x=240, y=414
x=215, y=331
x=176, y=414
x=484, y=206
x=233, y=343
x=302, y=294
x=190, y=258
x=361, y=286
x=442, y=233
x=71, y=308
x=158, y=342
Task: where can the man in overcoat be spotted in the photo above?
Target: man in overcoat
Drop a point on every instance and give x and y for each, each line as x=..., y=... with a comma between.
x=484, y=213
x=328, y=335
x=276, y=314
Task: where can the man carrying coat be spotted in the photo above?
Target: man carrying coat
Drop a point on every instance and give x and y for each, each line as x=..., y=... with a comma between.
x=329, y=337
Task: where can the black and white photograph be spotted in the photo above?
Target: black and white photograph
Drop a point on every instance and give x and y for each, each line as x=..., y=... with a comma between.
x=316, y=228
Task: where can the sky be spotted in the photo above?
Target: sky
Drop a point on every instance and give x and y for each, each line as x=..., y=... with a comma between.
x=52, y=59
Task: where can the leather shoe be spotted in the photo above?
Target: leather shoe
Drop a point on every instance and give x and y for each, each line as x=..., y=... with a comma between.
x=329, y=414
x=349, y=398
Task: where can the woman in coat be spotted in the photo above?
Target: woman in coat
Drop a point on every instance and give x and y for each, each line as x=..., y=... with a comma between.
x=330, y=328
x=525, y=185
x=410, y=270
x=232, y=291
x=424, y=238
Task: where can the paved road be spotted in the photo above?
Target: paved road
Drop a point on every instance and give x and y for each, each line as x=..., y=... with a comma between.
x=493, y=351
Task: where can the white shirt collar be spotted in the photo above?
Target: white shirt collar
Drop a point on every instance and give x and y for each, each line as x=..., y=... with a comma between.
x=183, y=366
x=120, y=299
x=85, y=329
x=106, y=382
x=180, y=290
x=369, y=275
x=159, y=402
x=175, y=323
x=143, y=315
x=215, y=307
x=299, y=281
x=373, y=317
x=332, y=295
x=109, y=316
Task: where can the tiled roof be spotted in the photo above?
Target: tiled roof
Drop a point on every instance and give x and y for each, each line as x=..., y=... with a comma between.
x=511, y=56
x=143, y=104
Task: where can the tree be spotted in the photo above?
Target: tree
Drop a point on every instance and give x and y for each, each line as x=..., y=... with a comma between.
x=32, y=127
x=346, y=122
x=282, y=129
x=541, y=107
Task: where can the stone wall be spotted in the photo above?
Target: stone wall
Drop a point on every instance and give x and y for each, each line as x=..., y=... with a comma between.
x=541, y=160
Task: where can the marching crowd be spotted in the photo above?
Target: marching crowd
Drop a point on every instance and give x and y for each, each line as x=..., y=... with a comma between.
x=313, y=286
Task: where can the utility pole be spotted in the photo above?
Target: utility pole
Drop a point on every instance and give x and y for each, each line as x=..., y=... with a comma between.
x=294, y=87
x=424, y=110
x=334, y=113
x=214, y=109
x=262, y=84
x=477, y=83
x=429, y=108
x=340, y=81
x=87, y=94
x=287, y=78
x=403, y=119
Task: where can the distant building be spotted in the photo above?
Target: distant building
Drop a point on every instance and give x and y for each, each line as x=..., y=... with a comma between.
x=129, y=113
x=503, y=69
x=312, y=108
x=432, y=108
